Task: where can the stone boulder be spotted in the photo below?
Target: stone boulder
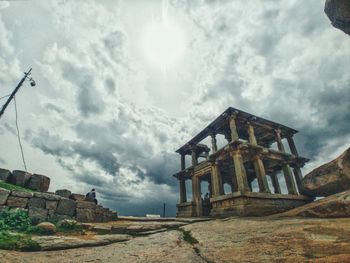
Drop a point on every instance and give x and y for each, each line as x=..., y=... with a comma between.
x=5, y=175
x=338, y=12
x=334, y=206
x=37, y=215
x=20, y=178
x=47, y=227
x=63, y=193
x=39, y=183
x=328, y=179
x=77, y=197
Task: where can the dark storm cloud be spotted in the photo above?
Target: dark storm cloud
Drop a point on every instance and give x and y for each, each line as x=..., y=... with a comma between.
x=89, y=100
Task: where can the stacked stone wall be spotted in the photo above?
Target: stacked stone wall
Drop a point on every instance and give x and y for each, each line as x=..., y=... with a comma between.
x=44, y=206
x=51, y=207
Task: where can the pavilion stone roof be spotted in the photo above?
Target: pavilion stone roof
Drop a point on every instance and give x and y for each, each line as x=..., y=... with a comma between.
x=264, y=129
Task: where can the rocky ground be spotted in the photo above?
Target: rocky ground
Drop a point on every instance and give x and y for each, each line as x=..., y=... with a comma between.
x=221, y=240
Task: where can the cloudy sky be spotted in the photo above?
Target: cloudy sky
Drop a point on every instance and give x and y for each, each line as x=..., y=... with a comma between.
x=122, y=84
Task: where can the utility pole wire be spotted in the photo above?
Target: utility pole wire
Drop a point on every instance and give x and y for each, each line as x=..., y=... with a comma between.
x=18, y=135
x=5, y=96
x=26, y=74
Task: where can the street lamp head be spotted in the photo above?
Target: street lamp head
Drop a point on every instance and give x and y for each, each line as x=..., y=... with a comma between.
x=32, y=82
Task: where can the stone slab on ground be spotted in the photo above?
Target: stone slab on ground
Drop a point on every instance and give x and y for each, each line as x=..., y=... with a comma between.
x=163, y=247
x=333, y=206
x=330, y=178
x=39, y=183
x=277, y=240
x=4, y=194
x=164, y=219
x=67, y=242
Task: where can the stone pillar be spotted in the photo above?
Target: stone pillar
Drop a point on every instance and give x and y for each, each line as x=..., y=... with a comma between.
x=298, y=177
x=183, y=162
x=194, y=157
x=275, y=183
x=183, y=196
x=252, y=138
x=261, y=175
x=292, y=147
x=214, y=146
x=196, y=195
x=233, y=128
x=216, y=180
x=292, y=190
x=279, y=141
x=240, y=173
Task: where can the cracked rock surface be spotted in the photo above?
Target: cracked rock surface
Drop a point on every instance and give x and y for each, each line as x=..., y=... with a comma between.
x=222, y=240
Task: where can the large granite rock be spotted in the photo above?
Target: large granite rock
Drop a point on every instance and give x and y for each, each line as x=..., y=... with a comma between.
x=334, y=206
x=66, y=207
x=338, y=12
x=39, y=183
x=4, y=194
x=5, y=174
x=328, y=179
x=20, y=178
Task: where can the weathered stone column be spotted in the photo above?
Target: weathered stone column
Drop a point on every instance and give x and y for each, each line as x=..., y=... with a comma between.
x=241, y=176
x=214, y=146
x=252, y=138
x=194, y=157
x=292, y=190
x=183, y=162
x=279, y=141
x=261, y=175
x=298, y=177
x=292, y=146
x=275, y=183
x=233, y=127
x=196, y=195
x=216, y=179
x=258, y=164
x=297, y=172
x=183, y=196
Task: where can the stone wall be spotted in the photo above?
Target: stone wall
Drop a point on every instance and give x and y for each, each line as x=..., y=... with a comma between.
x=36, y=182
x=50, y=207
x=45, y=206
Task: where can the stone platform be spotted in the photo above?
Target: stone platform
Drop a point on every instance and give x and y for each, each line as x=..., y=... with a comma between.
x=254, y=204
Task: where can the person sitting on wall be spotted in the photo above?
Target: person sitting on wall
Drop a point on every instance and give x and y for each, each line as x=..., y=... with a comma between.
x=91, y=196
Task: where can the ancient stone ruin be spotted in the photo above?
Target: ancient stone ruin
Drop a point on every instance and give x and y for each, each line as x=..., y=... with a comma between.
x=44, y=206
x=246, y=156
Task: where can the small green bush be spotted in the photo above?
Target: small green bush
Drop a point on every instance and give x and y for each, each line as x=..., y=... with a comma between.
x=15, y=219
x=15, y=241
x=39, y=231
x=69, y=226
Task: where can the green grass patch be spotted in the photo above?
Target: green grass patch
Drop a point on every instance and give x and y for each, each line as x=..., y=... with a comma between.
x=14, y=187
x=15, y=241
x=187, y=236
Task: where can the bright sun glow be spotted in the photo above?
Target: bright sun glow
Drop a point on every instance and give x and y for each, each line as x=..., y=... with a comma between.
x=163, y=43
